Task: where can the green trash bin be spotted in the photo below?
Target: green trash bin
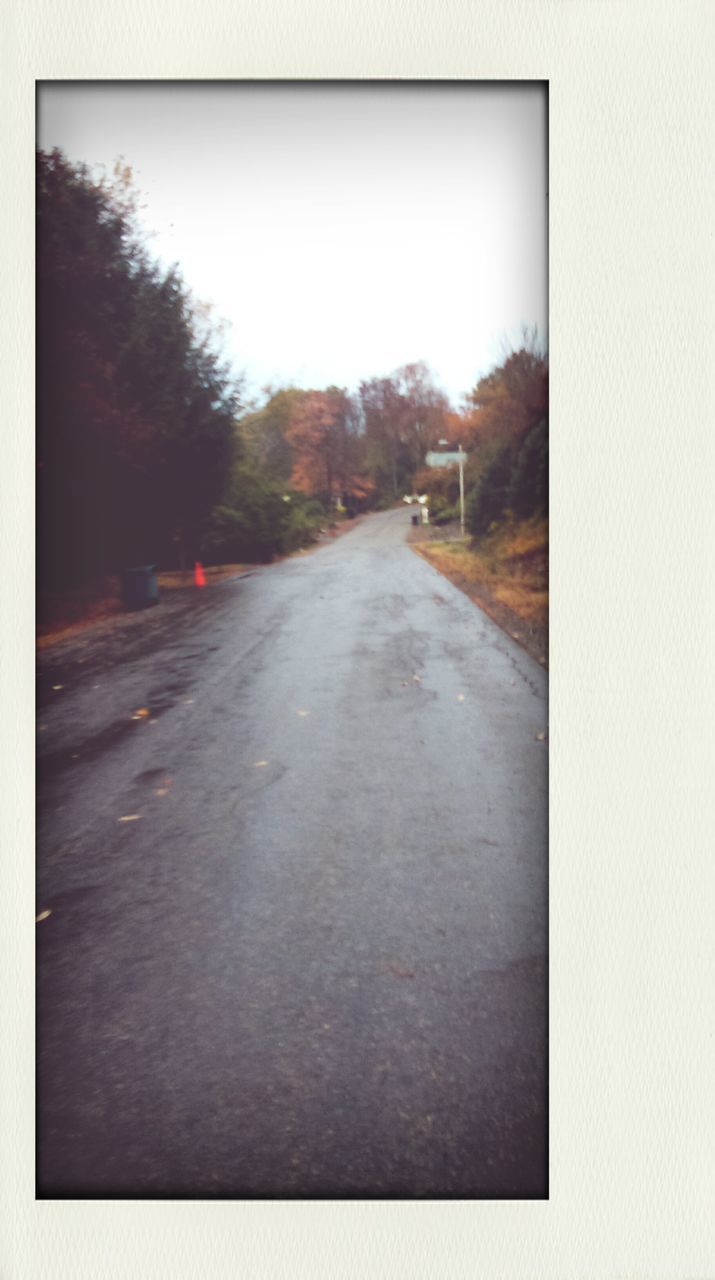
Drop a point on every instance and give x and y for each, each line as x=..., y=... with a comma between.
x=139, y=586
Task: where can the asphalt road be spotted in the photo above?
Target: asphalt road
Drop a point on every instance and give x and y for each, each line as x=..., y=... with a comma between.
x=298, y=930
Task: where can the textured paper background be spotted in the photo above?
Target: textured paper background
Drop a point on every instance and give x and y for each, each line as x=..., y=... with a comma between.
x=632, y=669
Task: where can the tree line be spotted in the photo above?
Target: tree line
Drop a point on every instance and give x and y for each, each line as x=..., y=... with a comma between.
x=149, y=450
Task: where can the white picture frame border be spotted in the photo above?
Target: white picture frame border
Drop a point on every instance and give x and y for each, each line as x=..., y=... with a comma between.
x=632, y=672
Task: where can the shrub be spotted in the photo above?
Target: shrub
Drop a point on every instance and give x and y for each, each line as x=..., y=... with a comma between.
x=529, y=484
x=304, y=519
x=488, y=500
x=259, y=520
x=438, y=483
x=442, y=512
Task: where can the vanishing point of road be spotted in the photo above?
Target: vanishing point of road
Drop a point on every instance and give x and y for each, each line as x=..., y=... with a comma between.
x=298, y=907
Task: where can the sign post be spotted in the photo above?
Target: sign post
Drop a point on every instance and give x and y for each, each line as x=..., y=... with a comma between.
x=445, y=459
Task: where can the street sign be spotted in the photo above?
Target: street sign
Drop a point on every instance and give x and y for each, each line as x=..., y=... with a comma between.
x=435, y=459
x=459, y=458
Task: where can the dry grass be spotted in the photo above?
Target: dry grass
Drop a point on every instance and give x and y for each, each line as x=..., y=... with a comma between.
x=506, y=574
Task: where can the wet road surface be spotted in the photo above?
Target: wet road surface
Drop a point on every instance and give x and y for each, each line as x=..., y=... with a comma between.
x=298, y=930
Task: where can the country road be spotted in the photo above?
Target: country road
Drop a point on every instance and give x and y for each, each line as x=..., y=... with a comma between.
x=297, y=941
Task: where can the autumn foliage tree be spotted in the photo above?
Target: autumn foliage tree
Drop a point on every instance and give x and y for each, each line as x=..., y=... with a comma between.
x=328, y=459
x=384, y=421
x=506, y=403
x=505, y=426
x=404, y=416
x=266, y=429
x=425, y=409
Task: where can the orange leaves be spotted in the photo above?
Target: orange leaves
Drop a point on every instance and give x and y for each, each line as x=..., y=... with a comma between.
x=510, y=399
x=311, y=432
x=326, y=458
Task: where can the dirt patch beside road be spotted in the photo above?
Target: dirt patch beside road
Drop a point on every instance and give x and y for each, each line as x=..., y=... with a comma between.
x=71, y=612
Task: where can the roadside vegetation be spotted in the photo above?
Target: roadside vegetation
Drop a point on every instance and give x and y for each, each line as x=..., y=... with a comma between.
x=506, y=573
x=504, y=563
x=150, y=450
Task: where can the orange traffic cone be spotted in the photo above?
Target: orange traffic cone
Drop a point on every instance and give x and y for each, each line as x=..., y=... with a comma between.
x=199, y=575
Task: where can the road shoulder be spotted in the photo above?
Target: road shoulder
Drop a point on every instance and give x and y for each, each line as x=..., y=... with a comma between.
x=515, y=614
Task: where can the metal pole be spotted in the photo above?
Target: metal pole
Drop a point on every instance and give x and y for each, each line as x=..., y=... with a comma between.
x=461, y=490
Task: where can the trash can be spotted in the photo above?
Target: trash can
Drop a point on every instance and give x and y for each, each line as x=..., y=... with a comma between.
x=139, y=586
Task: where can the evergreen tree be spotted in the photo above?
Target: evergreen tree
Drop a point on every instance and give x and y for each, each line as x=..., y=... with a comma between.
x=135, y=411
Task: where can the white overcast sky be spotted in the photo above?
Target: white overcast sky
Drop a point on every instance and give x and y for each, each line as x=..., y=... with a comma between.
x=341, y=229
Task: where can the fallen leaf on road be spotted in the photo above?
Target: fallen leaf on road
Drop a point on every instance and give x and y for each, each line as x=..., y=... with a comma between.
x=42, y=916
x=460, y=697
x=57, y=687
x=303, y=712
x=260, y=764
x=541, y=737
x=130, y=817
x=418, y=679
x=401, y=973
x=161, y=791
x=141, y=713
x=188, y=701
